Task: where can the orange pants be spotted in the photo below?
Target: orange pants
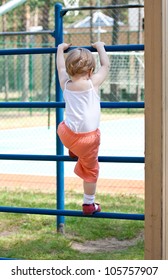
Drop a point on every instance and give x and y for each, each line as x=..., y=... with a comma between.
x=85, y=146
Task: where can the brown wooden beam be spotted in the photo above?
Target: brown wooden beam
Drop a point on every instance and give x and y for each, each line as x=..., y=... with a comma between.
x=153, y=129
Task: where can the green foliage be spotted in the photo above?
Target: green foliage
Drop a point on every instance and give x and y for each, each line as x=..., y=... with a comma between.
x=16, y=19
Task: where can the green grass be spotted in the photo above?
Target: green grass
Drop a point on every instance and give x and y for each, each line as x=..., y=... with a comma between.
x=35, y=236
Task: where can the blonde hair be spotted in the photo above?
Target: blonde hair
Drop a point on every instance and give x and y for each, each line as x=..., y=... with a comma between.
x=79, y=61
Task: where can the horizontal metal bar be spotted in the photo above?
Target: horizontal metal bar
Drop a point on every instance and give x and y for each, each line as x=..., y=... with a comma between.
x=53, y=212
x=32, y=104
x=3, y=259
x=14, y=33
x=121, y=105
x=67, y=158
x=121, y=159
x=62, y=104
x=28, y=51
x=114, y=48
x=64, y=11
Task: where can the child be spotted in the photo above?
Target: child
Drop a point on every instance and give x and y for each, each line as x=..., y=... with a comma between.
x=79, y=132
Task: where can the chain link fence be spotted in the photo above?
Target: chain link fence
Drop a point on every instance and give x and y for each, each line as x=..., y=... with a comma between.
x=32, y=78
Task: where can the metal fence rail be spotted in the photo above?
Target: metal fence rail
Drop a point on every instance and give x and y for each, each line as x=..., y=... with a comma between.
x=54, y=212
x=115, y=48
x=35, y=104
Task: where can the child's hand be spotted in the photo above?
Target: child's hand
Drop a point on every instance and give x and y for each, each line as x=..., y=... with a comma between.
x=98, y=45
x=64, y=46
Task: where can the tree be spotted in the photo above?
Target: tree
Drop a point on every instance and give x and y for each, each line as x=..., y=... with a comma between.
x=6, y=78
x=115, y=31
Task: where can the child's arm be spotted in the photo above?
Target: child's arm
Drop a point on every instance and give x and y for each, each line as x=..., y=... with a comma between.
x=60, y=61
x=99, y=77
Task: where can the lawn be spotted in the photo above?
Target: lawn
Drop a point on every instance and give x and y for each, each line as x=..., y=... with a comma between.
x=34, y=237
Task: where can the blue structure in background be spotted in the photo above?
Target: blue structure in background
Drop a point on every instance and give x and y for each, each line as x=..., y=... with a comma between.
x=59, y=157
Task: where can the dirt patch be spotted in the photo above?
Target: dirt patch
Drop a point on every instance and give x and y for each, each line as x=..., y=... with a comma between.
x=106, y=245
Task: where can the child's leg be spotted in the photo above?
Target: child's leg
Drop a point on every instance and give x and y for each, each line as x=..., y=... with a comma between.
x=89, y=205
x=89, y=188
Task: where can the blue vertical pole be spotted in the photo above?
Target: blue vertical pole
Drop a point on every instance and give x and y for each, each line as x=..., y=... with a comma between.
x=59, y=118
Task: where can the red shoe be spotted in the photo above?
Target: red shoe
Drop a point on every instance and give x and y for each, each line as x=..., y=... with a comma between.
x=89, y=209
x=72, y=155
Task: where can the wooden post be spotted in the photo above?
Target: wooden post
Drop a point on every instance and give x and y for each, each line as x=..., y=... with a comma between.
x=156, y=129
x=165, y=129
x=153, y=129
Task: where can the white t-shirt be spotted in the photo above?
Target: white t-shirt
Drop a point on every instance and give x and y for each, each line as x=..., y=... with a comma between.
x=82, y=109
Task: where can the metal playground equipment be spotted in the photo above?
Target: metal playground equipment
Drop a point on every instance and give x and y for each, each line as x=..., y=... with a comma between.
x=59, y=105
